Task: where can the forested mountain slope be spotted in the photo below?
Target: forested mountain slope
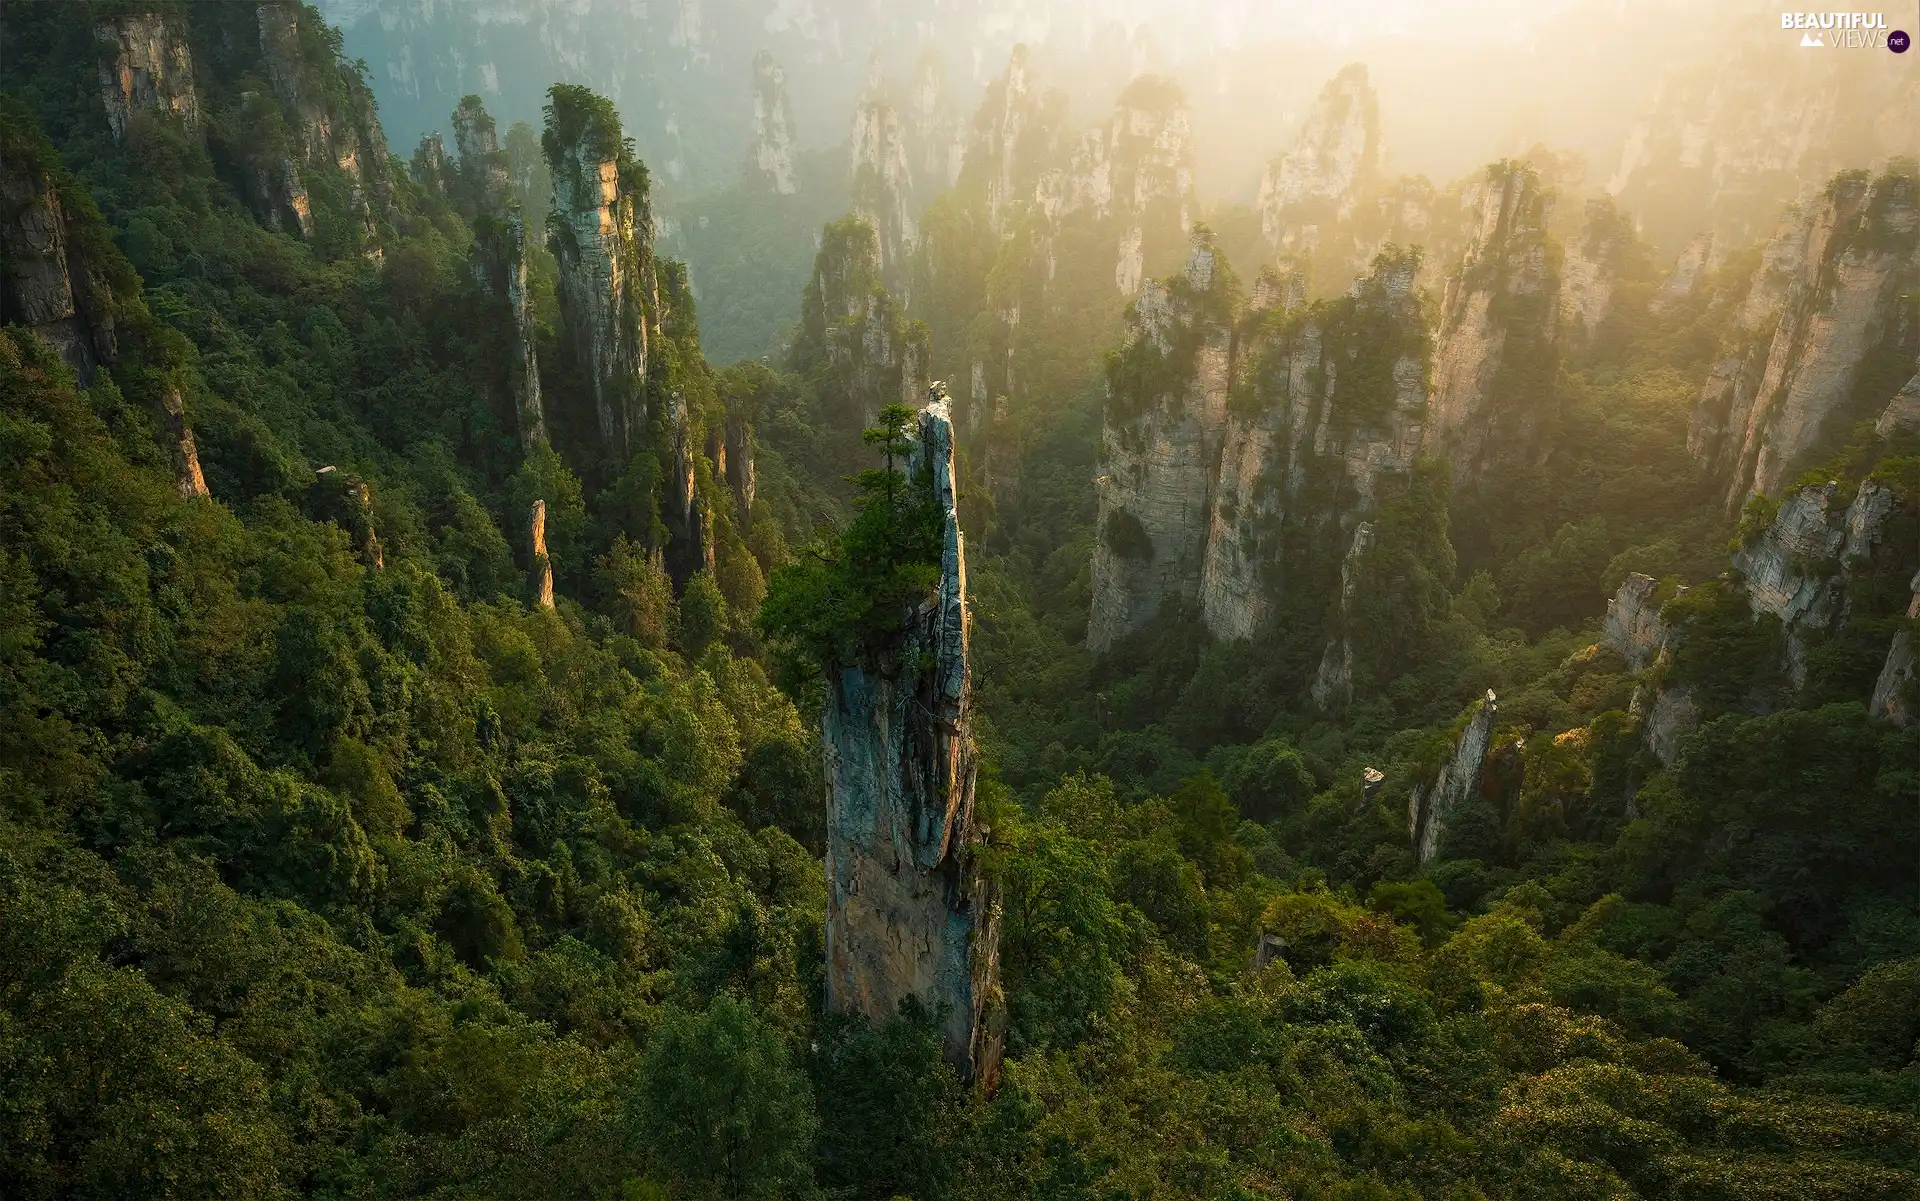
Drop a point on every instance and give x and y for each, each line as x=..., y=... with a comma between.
x=1441, y=731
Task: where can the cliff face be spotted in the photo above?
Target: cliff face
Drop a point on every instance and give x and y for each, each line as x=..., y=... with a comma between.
x=1166, y=414
x=330, y=113
x=1495, y=357
x=1332, y=688
x=1632, y=627
x=146, y=66
x=773, y=150
x=1330, y=411
x=851, y=325
x=1829, y=312
x=1802, y=567
x=1896, y=694
x=601, y=233
x=1458, y=778
x=51, y=284
x=882, y=187
x=500, y=255
x=1334, y=159
x=909, y=913
x=1591, y=270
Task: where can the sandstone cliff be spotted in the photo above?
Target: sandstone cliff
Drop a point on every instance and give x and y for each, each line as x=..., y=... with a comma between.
x=882, y=182
x=1332, y=162
x=601, y=233
x=1828, y=315
x=853, y=331
x=1166, y=414
x=329, y=112
x=1456, y=780
x=909, y=913
x=1495, y=355
x=1632, y=627
x=771, y=157
x=146, y=65
x=1896, y=693
x=51, y=283
x=500, y=257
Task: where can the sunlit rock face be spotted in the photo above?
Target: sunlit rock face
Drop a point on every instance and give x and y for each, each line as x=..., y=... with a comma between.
x=1166, y=417
x=1754, y=122
x=331, y=115
x=909, y=912
x=1495, y=356
x=601, y=235
x=1335, y=158
x=1695, y=260
x=1458, y=779
x=1827, y=324
x=146, y=66
x=772, y=154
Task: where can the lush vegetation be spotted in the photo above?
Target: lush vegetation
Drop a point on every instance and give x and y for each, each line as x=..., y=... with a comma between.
x=329, y=875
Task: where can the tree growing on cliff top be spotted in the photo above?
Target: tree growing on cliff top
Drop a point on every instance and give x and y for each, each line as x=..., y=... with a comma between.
x=846, y=595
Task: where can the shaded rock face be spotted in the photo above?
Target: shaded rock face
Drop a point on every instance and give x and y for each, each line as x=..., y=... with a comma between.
x=1632, y=627
x=849, y=319
x=1800, y=568
x=882, y=187
x=47, y=281
x=1334, y=159
x=1902, y=414
x=1753, y=122
x=601, y=235
x=1831, y=303
x=1896, y=695
x=1689, y=269
x=1166, y=415
x=1495, y=357
x=773, y=146
x=333, y=123
x=1672, y=717
x=1332, y=687
x=1331, y=423
x=1458, y=779
x=146, y=66
x=500, y=258
x=1590, y=271
x=909, y=913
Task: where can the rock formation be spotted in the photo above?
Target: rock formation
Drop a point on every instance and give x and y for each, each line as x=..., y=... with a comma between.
x=852, y=326
x=1696, y=259
x=1591, y=270
x=1332, y=687
x=601, y=234
x=1495, y=357
x=882, y=187
x=542, y=573
x=347, y=500
x=1896, y=696
x=1333, y=160
x=1830, y=309
x=146, y=66
x=1632, y=627
x=1800, y=568
x=909, y=912
x=1457, y=779
x=500, y=258
x=1166, y=414
x=51, y=283
x=934, y=146
x=773, y=148
x=330, y=113
x=186, y=452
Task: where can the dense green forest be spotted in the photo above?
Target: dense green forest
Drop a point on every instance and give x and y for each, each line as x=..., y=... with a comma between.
x=335, y=863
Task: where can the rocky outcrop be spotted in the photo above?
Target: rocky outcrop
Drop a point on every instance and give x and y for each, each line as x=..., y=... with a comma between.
x=542, y=572
x=347, y=500
x=1331, y=163
x=1331, y=424
x=1457, y=780
x=1591, y=269
x=771, y=158
x=1800, y=567
x=601, y=234
x=1696, y=259
x=500, y=258
x=1902, y=414
x=1673, y=715
x=49, y=282
x=179, y=438
x=330, y=113
x=1896, y=695
x=1495, y=356
x=882, y=187
x=1632, y=627
x=146, y=66
x=1332, y=688
x=851, y=326
x=1166, y=415
x=1833, y=298
x=935, y=148
x=909, y=911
